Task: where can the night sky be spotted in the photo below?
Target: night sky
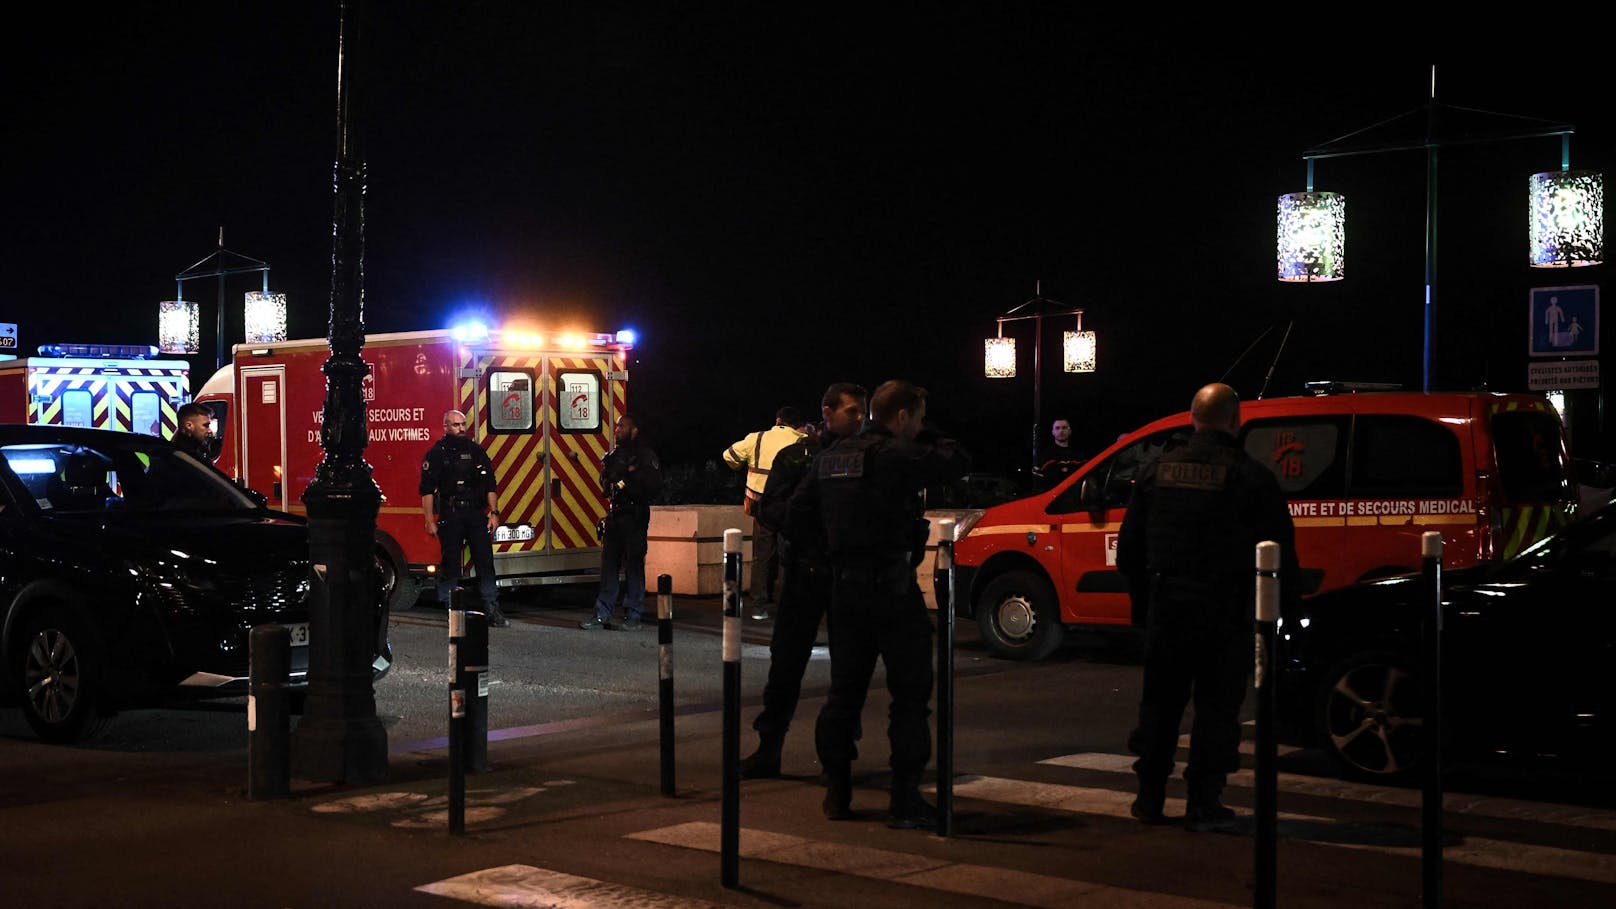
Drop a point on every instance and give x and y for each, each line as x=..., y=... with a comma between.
x=776, y=199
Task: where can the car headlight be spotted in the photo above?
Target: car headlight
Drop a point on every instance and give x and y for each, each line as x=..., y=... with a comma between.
x=964, y=523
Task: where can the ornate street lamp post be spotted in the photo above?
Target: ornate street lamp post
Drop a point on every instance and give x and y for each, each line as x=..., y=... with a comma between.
x=340, y=738
x=1078, y=350
x=1567, y=224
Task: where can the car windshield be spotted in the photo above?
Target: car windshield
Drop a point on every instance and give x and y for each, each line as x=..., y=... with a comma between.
x=128, y=474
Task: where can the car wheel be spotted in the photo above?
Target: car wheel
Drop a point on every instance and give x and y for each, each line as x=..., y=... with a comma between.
x=61, y=672
x=397, y=587
x=1370, y=717
x=1018, y=616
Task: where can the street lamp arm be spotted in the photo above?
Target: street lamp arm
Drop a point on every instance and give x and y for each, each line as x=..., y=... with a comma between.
x=1338, y=148
x=220, y=268
x=189, y=273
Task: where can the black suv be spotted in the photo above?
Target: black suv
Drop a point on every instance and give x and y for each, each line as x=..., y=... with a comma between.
x=131, y=573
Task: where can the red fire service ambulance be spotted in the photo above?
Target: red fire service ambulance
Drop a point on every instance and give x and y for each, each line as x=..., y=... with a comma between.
x=542, y=405
x=1366, y=473
x=101, y=386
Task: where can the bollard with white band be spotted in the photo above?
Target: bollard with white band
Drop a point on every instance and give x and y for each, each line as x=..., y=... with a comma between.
x=457, y=719
x=945, y=679
x=729, y=836
x=664, y=589
x=269, y=753
x=1266, y=684
x=1430, y=671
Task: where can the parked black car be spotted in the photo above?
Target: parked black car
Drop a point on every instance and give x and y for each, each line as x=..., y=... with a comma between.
x=131, y=574
x=1527, y=650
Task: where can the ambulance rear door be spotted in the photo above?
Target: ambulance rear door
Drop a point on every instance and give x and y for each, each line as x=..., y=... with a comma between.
x=582, y=401
x=261, y=406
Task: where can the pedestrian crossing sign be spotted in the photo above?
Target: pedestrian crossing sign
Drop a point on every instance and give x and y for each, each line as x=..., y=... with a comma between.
x=1565, y=321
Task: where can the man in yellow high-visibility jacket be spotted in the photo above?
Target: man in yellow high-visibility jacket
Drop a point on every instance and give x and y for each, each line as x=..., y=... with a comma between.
x=756, y=454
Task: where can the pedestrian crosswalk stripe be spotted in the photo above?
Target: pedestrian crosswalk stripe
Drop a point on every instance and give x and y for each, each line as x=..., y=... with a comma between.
x=1452, y=802
x=1029, y=888
x=1478, y=851
x=525, y=885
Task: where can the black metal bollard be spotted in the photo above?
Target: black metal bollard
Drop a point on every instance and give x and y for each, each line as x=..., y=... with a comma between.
x=468, y=702
x=1267, y=686
x=1431, y=671
x=945, y=680
x=269, y=737
x=664, y=589
x=729, y=835
x=474, y=666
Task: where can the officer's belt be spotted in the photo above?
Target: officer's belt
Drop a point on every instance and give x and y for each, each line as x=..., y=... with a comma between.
x=1199, y=584
x=464, y=503
x=865, y=557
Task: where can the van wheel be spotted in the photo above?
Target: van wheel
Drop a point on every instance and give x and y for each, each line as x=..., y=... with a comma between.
x=61, y=676
x=1018, y=616
x=1370, y=717
x=397, y=587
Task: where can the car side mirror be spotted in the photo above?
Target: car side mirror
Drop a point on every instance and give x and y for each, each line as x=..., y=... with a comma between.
x=1091, y=495
x=259, y=499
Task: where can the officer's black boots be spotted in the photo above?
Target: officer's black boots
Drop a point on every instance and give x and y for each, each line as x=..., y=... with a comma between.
x=1206, y=812
x=763, y=763
x=909, y=810
x=838, y=804
x=496, y=619
x=1148, y=806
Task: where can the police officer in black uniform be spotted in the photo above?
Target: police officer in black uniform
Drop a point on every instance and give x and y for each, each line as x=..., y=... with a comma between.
x=805, y=590
x=868, y=493
x=460, y=501
x=630, y=478
x=1187, y=546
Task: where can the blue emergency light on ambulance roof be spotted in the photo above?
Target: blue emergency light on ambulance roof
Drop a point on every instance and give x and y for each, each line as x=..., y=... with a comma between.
x=469, y=332
x=627, y=337
x=118, y=351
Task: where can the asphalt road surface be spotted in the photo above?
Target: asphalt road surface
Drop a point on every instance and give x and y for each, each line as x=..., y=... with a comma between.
x=571, y=813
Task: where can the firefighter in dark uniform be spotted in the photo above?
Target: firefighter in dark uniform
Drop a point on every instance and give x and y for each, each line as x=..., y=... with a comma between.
x=868, y=493
x=1187, y=546
x=805, y=589
x=460, y=502
x=630, y=478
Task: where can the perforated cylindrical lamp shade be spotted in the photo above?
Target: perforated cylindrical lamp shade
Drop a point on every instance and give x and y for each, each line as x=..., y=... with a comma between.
x=1078, y=349
x=177, y=327
x=1568, y=219
x=1312, y=237
x=999, y=358
x=265, y=318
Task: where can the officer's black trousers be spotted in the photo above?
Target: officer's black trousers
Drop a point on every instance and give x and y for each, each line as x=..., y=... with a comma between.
x=465, y=528
x=1198, y=645
x=872, y=620
x=805, y=593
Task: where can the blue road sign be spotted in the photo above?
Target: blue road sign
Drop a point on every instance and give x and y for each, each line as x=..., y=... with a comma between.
x=1565, y=321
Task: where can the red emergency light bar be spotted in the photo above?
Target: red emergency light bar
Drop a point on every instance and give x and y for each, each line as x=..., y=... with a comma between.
x=518, y=338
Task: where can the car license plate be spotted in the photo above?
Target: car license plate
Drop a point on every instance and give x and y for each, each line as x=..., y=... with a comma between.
x=299, y=632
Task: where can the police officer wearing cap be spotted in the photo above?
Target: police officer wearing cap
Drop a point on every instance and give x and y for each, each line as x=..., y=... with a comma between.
x=1187, y=546
x=868, y=493
x=460, y=501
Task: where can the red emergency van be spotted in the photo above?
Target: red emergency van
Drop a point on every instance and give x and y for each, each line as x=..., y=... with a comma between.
x=541, y=404
x=1366, y=473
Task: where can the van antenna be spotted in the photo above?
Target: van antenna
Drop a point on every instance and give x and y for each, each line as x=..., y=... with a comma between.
x=1243, y=353
x=1270, y=376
